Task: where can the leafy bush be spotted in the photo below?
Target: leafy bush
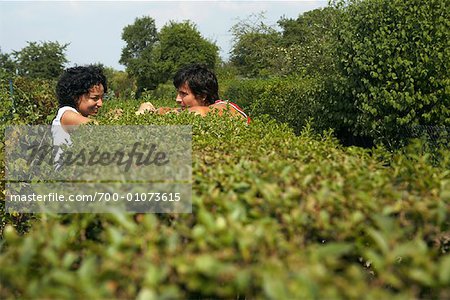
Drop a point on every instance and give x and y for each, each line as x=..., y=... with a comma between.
x=395, y=56
x=164, y=91
x=253, y=43
x=275, y=215
x=33, y=100
x=291, y=100
x=120, y=84
x=307, y=43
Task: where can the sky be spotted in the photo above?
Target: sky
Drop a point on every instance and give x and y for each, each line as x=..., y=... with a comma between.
x=93, y=28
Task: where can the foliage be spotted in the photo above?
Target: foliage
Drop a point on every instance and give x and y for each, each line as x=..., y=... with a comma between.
x=140, y=37
x=44, y=60
x=253, y=43
x=7, y=65
x=278, y=211
x=120, y=84
x=165, y=92
x=182, y=44
x=306, y=45
x=226, y=73
x=33, y=100
x=395, y=60
x=293, y=100
x=383, y=68
x=275, y=215
x=153, y=57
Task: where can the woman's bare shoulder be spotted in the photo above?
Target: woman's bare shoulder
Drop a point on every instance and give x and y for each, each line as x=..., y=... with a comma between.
x=72, y=118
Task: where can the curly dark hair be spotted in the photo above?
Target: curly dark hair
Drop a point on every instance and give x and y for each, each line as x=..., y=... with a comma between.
x=201, y=80
x=77, y=81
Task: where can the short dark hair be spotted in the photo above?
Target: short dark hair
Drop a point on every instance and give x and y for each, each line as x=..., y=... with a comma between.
x=200, y=79
x=77, y=81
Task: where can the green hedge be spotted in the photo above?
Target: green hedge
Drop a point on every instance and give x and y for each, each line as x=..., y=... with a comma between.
x=291, y=100
x=275, y=215
x=390, y=74
x=166, y=92
x=395, y=57
x=33, y=101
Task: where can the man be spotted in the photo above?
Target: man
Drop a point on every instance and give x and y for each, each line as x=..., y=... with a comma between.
x=197, y=92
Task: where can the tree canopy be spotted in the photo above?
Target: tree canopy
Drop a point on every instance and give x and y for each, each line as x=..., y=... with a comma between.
x=153, y=57
x=140, y=37
x=182, y=44
x=299, y=46
x=308, y=41
x=43, y=60
x=254, y=43
x=7, y=65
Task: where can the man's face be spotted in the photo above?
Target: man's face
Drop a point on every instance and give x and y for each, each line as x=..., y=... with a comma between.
x=185, y=97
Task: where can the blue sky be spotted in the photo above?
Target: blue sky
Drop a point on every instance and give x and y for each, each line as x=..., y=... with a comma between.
x=94, y=28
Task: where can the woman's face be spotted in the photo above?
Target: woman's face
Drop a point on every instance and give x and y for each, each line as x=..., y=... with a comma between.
x=185, y=97
x=89, y=103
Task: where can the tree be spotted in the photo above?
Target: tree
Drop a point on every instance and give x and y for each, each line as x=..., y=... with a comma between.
x=304, y=46
x=43, y=60
x=119, y=83
x=182, y=44
x=7, y=65
x=153, y=58
x=308, y=42
x=254, y=44
x=140, y=38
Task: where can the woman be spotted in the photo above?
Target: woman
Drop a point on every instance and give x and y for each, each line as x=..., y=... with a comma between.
x=80, y=92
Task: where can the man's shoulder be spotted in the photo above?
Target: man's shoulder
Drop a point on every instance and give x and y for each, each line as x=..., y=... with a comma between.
x=201, y=110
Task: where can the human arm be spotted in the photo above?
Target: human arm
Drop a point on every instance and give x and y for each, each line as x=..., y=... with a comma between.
x=215, y=108
x=165, y=110
x=220, y=108
x=199, y=110
x=71, y=119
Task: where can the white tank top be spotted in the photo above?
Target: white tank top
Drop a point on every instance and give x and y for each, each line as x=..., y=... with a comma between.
x=60, y=136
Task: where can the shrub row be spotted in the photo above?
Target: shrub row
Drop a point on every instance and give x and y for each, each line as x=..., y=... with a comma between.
x=164, y=92
x=33, y=101
x=395, y=58
x=389, y=74
x=291, y=100
x=275, y=215
x=23, y=101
